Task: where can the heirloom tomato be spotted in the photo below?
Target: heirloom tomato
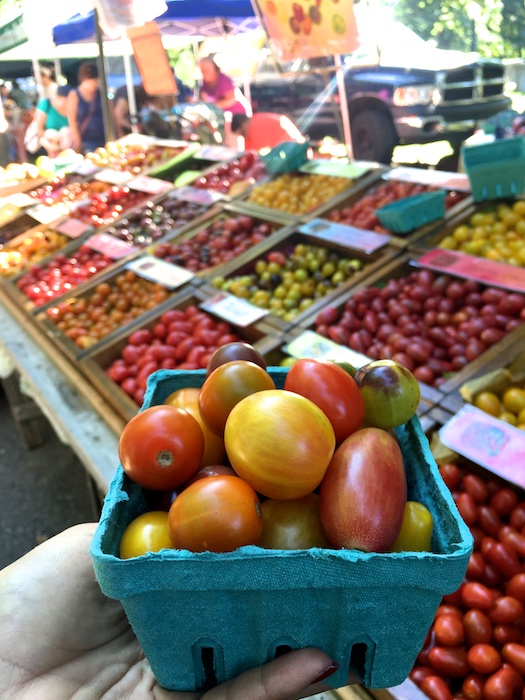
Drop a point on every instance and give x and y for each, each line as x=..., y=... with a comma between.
x=279, y=442
x=147, y=533
x=234, y=351
x=416, y=530
x=292, y=524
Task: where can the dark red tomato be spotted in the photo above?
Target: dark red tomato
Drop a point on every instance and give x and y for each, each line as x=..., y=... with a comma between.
x=503, y=501
x=499, y=686
x=234, y=351
x=467, y=508
x=477, y=627
x=210, y=470
x=514, y=654
x=476, y=487
x=332, y=389
x=516, y=540
x=504, y=559
x=448, y=629
x=445, y=609
x=449, y=661
x=517, y=516
x=419, y=672
x=472, y=686
x=484, y=658
x=476, y=595
x=161, y=447
x=476, y=567
x=451, y=475
x=504, y=634
x=516, y=587
x=506, y=610
x=488, y=520
x=436, y=688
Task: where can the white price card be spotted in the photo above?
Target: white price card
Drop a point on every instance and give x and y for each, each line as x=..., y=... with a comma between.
x=86, y=168
x=72, y=228
x=216, y=153
x=317, y=347
x=196, y=195
x=233, y=309
x=348, y=236
x=108, y=245
x=488, y=441
x=113, y=177
x=45, y=215
x=20, y=200
x=431, y=178
x=151, y=185
x=160, y=271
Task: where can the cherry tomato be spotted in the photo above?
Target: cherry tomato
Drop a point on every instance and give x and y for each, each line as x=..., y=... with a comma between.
x=503, y=634
x=419, y=672
x=467, y=508
x=515, y=655
x=472, y=686
x=449, y=661
x=217, y=514
x=484, y=658
x=292, y=524
x=503, y=501
x=506, y=610
x=503, y=557
x=476, y=595
x=517, y=516
x=416, y=529
x=448, y=629
x=476, y=487
x=234, y=351
x=436, y=688
x=516, y=587
x=451, y=475
x=210, y=470
x=476, y=567
x=226, y=386
x=478, y=627
x=161, y=447
x=499, y=686
x=445, y=609
x=488, y=520
x=147, y=533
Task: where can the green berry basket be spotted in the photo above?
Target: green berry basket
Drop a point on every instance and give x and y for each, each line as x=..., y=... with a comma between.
x=286, y=157
x=410, y=213
x=496, y=170
x=208, y=616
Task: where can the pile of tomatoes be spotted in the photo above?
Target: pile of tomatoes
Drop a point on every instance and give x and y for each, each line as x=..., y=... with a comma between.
x=240, y=462
x=475, y=649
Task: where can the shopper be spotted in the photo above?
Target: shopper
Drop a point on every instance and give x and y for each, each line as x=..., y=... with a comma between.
x=84, y=111
x=264, y=130
x=218, y=89
x=60, y=636
x=48, y=81
x=20, y=97
x=121, y=113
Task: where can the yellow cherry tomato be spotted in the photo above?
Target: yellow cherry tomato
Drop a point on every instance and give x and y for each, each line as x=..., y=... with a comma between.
x=416, y=530
x=147, y=533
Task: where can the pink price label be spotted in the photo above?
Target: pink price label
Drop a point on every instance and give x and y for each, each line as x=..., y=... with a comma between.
x=452, y=262
x=110, y=246
x=72, y=228
x=487, y=441
x=348, y=236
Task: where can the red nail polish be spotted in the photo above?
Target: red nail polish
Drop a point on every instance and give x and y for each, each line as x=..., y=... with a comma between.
x=334, y=666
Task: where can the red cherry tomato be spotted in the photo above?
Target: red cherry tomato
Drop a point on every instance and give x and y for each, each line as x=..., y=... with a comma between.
x=476, y=595
x=476, y=487
x=503, y=501
x=483, y=658
x=478, y=627
x=161, y=447
x=436, y=688
x=499, y=686
x=467, y=508
x=449, y=661
x=448, y=629
x=515, y=655
x=451, y=475
x=516, y=587
x=506, y=610
x=472, y=686
x=504, y=634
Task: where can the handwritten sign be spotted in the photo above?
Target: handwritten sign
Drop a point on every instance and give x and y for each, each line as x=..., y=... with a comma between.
x=233, y=309
x=348, y=236
x=488, y=441
x=113, y=177
x=321, y=166
x=72, y=228
x=432, y=178
x=151, y=185
x=317, y=347
x=108, y=245
x=196, y=195
x=216, y=153
x=470, y=267
x=45, y=215
x=86, y=167
x=160, y=271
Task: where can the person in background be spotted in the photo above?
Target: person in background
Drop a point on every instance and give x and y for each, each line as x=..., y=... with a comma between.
x=218, y=89
x=20, y=97
x=61, y=637
x=121, y=113
x=84, y=111
x=265, y=130
x=185, y=93
x=50, y=118
x=48, y=80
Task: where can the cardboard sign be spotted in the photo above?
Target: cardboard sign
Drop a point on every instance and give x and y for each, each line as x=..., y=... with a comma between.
x=317, y=347
x=488, y=441
x=152, y=59
x=453, y=262
x=216, y=153
x=8, y=212
x=150, y=185
x=197, y=196
x=348, y=236
x=72, y=228
x=160, y=271
x=113, y=177
x=86, y=168
x=21, y=200
x=108, y=245
x=233, y=309
x=432, y=178
x=335, y=168
x=45, y=215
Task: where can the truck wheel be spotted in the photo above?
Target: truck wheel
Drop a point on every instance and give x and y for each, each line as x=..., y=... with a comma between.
x=373, y=136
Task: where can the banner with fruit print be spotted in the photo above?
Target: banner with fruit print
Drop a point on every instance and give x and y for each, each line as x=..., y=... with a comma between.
x=309, y=28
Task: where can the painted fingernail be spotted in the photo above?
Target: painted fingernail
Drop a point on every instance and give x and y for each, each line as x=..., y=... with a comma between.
x=334, y=666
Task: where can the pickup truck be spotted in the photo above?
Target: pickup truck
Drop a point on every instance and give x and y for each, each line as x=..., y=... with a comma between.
x=408, y=93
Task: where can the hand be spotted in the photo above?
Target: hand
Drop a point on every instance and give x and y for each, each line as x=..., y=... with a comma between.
x=61, y=637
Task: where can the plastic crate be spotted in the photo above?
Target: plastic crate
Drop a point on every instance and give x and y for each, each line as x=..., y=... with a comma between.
x=496, y=170
x=286, y=157
x=235, y=610
x=408, y=214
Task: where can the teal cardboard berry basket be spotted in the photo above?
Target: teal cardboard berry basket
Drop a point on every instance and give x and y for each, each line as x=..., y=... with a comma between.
x=496, y=170
x=208, y=617
x=410, y=213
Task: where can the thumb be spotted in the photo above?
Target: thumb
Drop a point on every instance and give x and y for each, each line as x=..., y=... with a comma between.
x=281, y=679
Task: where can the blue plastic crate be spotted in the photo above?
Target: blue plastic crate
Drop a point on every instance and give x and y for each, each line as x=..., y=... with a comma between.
x=496, y=170
x=286, y=157
x=240, y=607
x=408, y=214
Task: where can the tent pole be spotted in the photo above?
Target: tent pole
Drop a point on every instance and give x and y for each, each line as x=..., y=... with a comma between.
x=109, y=125
x=58, y=67
x=132, y=102
x=343, y=101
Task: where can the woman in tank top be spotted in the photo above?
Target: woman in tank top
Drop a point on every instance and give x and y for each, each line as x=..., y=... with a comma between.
x=84, y=111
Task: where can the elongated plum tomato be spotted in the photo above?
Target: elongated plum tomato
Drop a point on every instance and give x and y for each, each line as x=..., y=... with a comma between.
x=188, y=399
x=332, y=389
x=161, y=447
x=390, y=392
x=147, y=533
x=364, y=492
x=216, y=514
x=226, y=386
x=292, y=524
x=279, y=442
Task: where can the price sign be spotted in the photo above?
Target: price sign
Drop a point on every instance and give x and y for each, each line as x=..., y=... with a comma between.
x=216, y=153
x=72, y=228
x=320, y=166
x=151, y=185
x=45, y=215
x=160, y=271
x=470, y=267
x=432, y=178
x=492, y=443
x=317, y=347
x=348, y=236
x=196, y=195
x=21, y=200
x=86, y=168
x=113, y=177
x=234, y=310
x=108, y=245
x=7, y=212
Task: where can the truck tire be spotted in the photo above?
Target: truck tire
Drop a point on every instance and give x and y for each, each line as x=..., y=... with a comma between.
x=373, y=136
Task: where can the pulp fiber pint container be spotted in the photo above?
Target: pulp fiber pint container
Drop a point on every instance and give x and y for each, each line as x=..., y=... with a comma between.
x=207, y=616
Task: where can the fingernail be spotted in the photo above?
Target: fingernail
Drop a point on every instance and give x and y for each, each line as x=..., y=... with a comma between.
x=334, y=666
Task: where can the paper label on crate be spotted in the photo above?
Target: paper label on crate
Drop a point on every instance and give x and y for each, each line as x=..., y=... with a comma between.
x=348, y=236
x=454, y=262
x=113, y=177
x=108, y=245
x=322, y=166
x=197, y=196
x=233, y=309
x=312, y=345
x=45, y=215
x=432, y=178
x=72, y=228
x=151, y=185
x=7, y=212
x=21, y=200
x=160, y=271
x=216, y=153
x=86, y=168
x=487, y=441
